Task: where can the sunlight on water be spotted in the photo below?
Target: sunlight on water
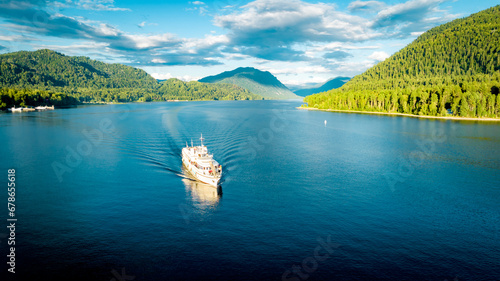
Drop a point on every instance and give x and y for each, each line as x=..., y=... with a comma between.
x=421, y=196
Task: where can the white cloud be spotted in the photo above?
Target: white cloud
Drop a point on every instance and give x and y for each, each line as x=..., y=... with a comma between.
x=379, y=56
x=151, y=41
x=145, y=23
x=353, y=68
x=98, y=5
x=108, y=30
x=261, y=31
x=337, y=46
x=413, y=10
x=162, y=76
x=298, y=70
x=158, y=61
x=268, y=22
x=210, y=41
x=12, y=38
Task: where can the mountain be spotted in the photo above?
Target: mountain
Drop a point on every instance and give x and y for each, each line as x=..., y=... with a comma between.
x=46, y=76
x=52, y=69
x=261, y=83
x=333, y=83
x=453, y=68
x=176, y=89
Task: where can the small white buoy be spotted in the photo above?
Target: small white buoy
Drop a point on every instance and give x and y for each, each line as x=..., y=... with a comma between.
x=325, y=123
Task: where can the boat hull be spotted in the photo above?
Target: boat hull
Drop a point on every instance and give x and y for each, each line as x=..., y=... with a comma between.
x=197, y=173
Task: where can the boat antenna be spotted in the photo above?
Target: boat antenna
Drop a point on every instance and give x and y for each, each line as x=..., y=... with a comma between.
x=201, y=139
x=192, y=142
x=187, y=144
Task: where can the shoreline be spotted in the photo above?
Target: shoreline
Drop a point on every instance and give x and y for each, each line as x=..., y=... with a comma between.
x=455, y=118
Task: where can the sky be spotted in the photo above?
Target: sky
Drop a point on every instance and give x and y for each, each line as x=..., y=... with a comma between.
x=300, y=42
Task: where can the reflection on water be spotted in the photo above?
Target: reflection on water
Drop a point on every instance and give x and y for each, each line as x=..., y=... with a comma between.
x=202, y=195
x=303, y=182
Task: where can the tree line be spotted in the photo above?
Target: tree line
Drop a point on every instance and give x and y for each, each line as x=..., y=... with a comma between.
x=33, y=97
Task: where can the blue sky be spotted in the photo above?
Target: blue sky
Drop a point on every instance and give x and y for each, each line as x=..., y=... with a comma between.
x=301, y=42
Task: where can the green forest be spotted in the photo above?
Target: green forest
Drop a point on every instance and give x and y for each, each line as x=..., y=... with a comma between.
x=450, y=70
x=47, y=77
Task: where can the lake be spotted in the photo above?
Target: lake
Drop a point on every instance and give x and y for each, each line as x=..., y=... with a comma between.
x=101, y=194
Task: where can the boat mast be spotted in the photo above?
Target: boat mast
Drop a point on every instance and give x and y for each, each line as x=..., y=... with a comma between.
x=201, y=139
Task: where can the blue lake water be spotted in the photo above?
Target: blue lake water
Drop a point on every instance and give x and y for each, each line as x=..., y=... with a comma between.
x=101, y=194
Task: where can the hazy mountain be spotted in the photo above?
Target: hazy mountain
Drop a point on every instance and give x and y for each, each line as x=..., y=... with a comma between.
x=333, y=83
x=261, y=83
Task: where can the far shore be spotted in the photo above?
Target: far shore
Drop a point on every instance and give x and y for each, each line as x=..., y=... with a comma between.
x=456, y=118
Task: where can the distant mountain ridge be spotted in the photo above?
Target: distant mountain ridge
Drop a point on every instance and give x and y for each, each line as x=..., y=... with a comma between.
x=258, y=82
x=333, y=83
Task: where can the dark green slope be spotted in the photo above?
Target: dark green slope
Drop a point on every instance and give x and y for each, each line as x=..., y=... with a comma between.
x=333, y=83
x=261, y=83
x=453, y=67
x=47, y=68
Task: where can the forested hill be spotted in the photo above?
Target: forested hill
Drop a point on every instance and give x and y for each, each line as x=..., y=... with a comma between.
x=47, y=77
x=454, y=66
x=176, y=89
x=261, y=83
x=47, y=68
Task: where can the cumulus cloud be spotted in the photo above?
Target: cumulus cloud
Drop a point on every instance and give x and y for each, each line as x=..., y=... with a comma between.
x=413, y=12
x=269, y=29
x=138, y=49
x=156, y=60
x=298, y=70
x=291, y=31
x=275, y=22
x=198, y=6
x=379, y=56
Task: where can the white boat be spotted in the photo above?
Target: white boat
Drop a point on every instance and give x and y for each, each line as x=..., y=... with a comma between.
x=44, y=107
x=13, y=109
x=200, y=163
